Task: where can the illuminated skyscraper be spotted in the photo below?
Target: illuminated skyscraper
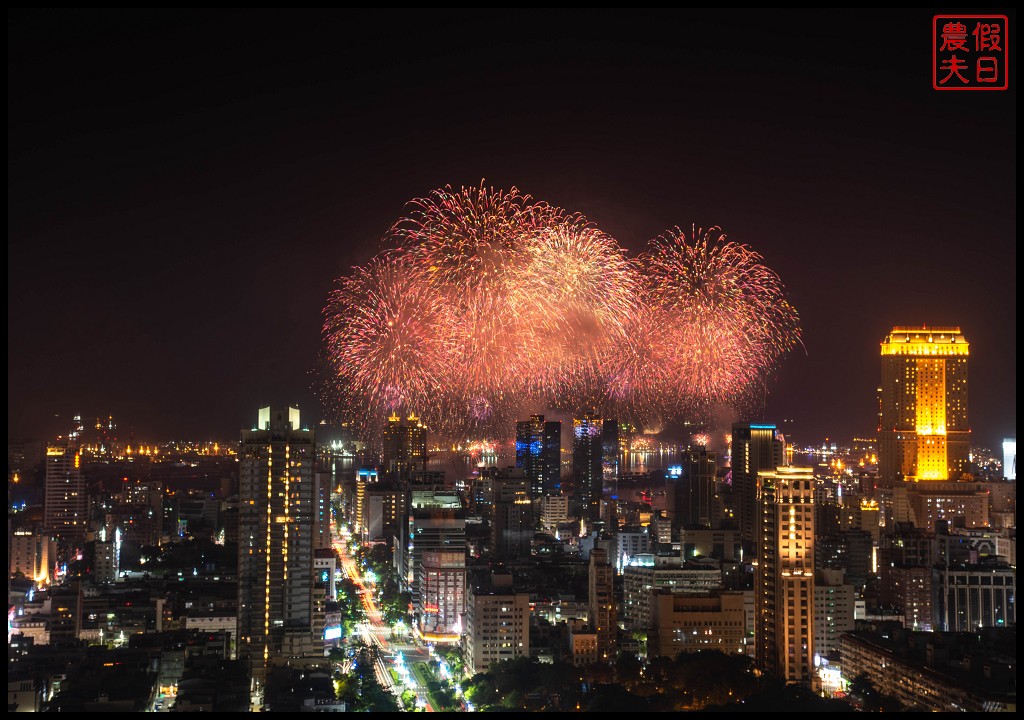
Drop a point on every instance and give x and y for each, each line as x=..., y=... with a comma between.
x=539, y=454
x=754, y=448
x=587, y=463
x=276, y=528
x=784, y=575
x=405, y=447
x=65, y=503
x=923, y=428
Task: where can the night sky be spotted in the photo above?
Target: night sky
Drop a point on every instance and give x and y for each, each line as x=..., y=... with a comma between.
x=183, y=188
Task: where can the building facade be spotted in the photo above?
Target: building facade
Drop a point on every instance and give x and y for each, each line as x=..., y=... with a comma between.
x=603, y=615
x=65, y=504
x=754, y=448
x=276, y=536
x=497, y=624
x=691, y=623
x=539, y=454
x=587, y=465
x=405, y=447
x=924, y=433
x=784, y=575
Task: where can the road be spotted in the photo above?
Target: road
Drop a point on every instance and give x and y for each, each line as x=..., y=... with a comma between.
x=376, y=633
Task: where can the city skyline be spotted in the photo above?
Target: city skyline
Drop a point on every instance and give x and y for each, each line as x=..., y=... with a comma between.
x=173, y=223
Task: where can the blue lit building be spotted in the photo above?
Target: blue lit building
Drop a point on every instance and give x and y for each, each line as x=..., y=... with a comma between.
x=539, y=454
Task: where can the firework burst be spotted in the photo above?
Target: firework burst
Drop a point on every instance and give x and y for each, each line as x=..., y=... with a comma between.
x=389, y=338
x=485, y=304
x=723, y=309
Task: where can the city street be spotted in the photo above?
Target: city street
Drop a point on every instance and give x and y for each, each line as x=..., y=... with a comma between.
x=379, y=636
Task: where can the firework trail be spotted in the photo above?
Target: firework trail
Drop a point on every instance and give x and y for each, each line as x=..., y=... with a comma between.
x=485, y=304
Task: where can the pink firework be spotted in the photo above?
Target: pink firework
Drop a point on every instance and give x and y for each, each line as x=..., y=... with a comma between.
x=389, y=338
x=486, y=305
x=724, y=310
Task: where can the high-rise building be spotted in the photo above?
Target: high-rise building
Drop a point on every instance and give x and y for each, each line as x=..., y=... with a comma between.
x=386, y=512
x=754, y=448
x=276, y=527
x=365, y=478
x=694, y=489
x=784, y=575
x=405, y=447
x=539, y=454
x=610, y=448
x=587, y=464
x=65, y=503
x=603, y=614
x=923, y=428
x=322, y=510
x=1010, y=458
x=552, y=454
x=512, y=525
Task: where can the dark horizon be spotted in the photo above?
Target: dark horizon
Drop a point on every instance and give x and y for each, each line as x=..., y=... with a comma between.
x=185, y=187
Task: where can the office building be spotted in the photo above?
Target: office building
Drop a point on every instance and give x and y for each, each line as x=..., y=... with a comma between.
x=33, y=553
x=276, y=535
x=647, y=574
x=366, y=477
x=554, y=509
x=431, y=529
x=969, y=596
x=834, y=601
x=784, y=574
x=924, y=434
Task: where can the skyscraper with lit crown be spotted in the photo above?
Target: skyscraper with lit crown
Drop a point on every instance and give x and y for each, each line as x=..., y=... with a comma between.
x=923, y=430
x=405, y=447
x=66, y=502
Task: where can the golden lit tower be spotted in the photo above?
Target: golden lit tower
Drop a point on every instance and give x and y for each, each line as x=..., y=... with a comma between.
x=923, y=429
x=405, y=447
